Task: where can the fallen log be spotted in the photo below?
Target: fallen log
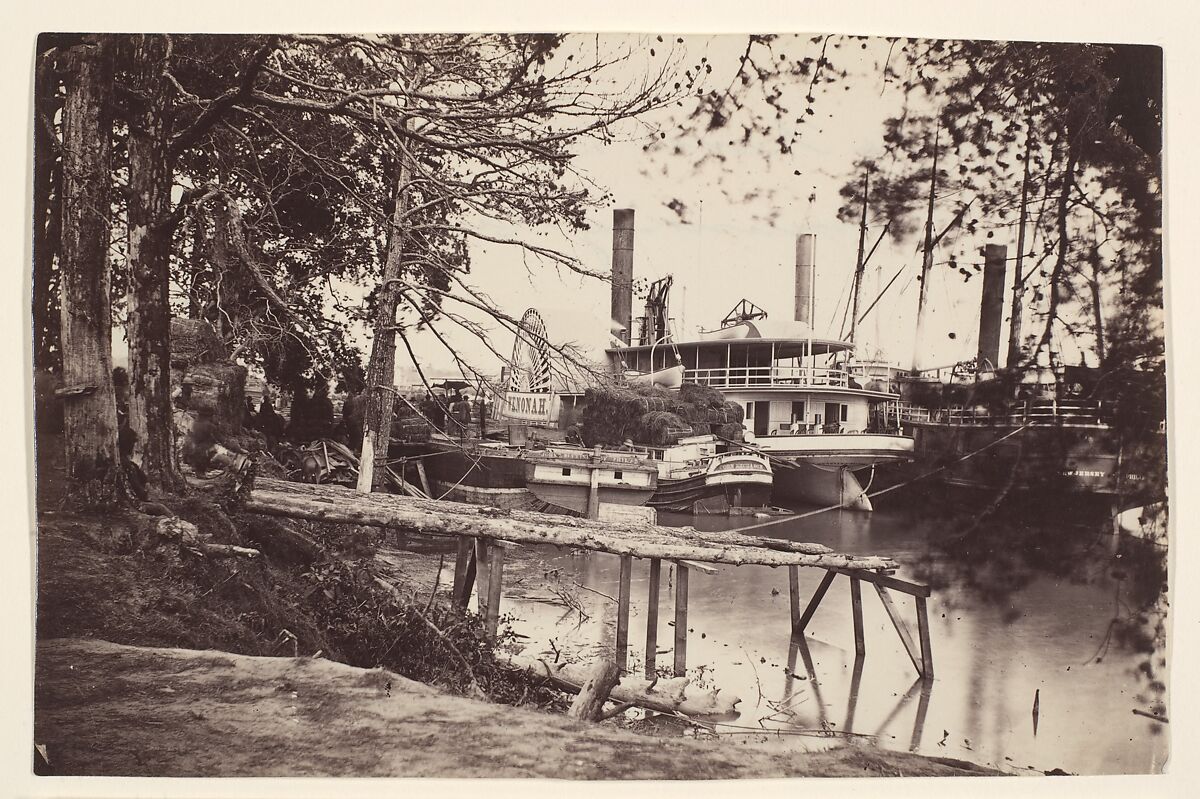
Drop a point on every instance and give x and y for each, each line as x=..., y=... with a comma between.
x=336, y=504
x=589, y=703
x=689, y=534
x=675, y=695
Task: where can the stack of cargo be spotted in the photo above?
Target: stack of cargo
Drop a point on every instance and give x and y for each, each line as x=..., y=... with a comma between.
x=655, y=416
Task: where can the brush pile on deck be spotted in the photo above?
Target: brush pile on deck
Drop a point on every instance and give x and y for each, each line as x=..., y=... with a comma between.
x=655, y=416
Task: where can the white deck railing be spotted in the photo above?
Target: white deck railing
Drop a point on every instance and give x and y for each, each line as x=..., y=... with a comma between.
x=770, y=377
x=1034, y=412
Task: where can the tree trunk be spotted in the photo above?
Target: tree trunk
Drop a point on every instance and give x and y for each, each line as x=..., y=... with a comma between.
x=589, y=703
x=149, y=326
x=92, y=458
x=1018, y=286
x=1064, y=246
x=1097, y=307
x=47, y=226
x=381, y=370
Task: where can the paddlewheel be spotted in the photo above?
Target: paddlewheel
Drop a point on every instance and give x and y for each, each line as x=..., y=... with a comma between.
x=529, y=367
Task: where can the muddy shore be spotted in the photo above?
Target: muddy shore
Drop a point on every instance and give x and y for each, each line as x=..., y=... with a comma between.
x=108, y=709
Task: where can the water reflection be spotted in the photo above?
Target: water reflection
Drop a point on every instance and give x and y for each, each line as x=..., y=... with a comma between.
x=1020, y=609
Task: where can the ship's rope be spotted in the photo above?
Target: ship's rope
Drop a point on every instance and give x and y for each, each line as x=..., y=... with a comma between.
x=883, y=491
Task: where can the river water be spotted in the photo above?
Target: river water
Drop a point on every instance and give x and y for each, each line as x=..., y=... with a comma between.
x=1055, y=614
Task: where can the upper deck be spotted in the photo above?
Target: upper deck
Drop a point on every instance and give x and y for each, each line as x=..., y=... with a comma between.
x=752, y=356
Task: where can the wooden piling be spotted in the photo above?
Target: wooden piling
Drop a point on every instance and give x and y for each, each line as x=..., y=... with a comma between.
x=482, y=547
x=860, y=644
x=799, y=627
x=593, y=500
x=923, y=633
x=901, y=628
x=623, y=612
x=794, y=595
x=681, y=619
x=495, y=578
x=652, y=618
x=464, y=564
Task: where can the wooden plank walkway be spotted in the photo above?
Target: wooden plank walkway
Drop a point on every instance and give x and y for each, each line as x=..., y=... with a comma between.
x=686, y=547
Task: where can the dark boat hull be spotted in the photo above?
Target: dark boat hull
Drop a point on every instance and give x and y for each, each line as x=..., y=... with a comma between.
x=1042, y=467
x=699, y=494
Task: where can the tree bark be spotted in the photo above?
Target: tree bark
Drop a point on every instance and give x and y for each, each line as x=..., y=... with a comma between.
x=671, y=695
x=92, y=458
x=381, y=369
x=336, y=504
x=589, y=704
x=47, y=224
x=1015, y=345
x=149, y=246
x=1064, y=246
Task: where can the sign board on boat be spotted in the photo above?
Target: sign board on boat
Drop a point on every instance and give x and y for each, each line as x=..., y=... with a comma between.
x=528, y=406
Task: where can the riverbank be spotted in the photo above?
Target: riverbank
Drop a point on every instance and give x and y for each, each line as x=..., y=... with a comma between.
x=108, y=709
x=159, y=653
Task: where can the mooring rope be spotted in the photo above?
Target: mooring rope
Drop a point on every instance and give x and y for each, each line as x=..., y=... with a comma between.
x=882, y=491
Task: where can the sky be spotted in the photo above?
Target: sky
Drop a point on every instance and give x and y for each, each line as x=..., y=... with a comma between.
x=737, y=237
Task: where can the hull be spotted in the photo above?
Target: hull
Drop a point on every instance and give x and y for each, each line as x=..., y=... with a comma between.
x=709, y=493
x=827, y=486
x=1050, y=460
x=505, y=478
x=574, y=498
x=503, y=498
x=574, y=479
x=477, y=468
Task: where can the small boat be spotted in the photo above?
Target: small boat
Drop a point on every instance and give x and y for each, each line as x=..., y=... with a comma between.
x=694, y=478
x=552, y=479
x=580, y=480
x=670, y=377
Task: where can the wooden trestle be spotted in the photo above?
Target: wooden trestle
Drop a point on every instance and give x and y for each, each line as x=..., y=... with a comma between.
x=491, y=530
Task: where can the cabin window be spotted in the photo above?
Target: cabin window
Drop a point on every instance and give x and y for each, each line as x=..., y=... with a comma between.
x=566, y=471
x=845, y=412
x=750, y=410
x=798, y=411
x=618, y=475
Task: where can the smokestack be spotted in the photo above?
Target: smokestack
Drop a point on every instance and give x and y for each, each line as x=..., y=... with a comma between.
x=622, y=273
x=806, y=267
x=992, y=304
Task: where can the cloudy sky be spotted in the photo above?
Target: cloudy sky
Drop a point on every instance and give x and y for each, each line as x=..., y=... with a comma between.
x=736, y=236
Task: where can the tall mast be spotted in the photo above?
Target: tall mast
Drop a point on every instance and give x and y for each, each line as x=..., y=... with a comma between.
x=927, y=258
x=859, y=264
x=1018, y=289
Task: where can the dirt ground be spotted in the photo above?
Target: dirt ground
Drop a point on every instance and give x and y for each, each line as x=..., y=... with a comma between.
x=109, y=709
